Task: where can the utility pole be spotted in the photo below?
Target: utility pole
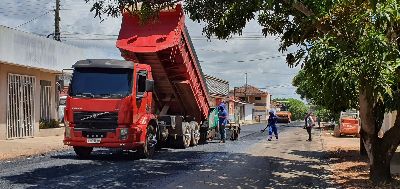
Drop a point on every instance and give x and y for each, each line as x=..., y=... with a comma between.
x=245, y=89
x=57, y=21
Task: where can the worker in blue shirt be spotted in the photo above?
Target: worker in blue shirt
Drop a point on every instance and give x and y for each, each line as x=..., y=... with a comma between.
x=223, y=120
x=272, y=125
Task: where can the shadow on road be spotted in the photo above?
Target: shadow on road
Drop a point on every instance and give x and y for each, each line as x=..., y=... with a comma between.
x=172, y=169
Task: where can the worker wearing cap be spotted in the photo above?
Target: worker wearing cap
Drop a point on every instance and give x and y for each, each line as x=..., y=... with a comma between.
x=272, y=129
x=223, y=120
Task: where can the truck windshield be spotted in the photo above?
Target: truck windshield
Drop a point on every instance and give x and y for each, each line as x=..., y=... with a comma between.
x=101, y=82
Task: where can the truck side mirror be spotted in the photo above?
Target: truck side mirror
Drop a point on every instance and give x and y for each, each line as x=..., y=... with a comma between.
x=149, y=85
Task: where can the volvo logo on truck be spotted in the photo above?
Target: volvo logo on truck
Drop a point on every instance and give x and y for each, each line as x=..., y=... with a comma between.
x=94, y=116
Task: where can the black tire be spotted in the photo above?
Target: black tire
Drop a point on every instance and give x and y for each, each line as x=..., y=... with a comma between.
x=195, y=134
x=203, y=137
x=185, y=139
x=83, y=152
x=150, y=143
x=161, y=141
x=203, y=133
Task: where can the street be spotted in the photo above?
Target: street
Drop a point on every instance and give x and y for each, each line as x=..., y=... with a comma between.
x=250, y=162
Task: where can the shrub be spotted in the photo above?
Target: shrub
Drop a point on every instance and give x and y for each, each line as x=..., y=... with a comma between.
x=47, y=124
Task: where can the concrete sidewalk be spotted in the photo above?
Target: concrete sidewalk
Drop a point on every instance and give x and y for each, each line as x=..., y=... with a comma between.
x=10, y=149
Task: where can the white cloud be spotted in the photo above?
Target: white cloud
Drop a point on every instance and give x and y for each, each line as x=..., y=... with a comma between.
x=228, y=60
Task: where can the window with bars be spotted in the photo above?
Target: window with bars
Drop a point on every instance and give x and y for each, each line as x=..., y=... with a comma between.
x=20, y=106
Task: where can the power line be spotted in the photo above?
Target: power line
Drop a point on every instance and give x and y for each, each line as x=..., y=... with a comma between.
x=34, y=18
x=248, y=60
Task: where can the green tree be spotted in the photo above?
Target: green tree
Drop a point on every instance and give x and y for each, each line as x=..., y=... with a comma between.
x=326, y=114
x=348, y=50
x=297, y=108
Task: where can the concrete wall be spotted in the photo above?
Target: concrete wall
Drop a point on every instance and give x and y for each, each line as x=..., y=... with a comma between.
x=388, y=122
x=27, y=54
x=261, y=107
x=33, y=51
x=248, y=112
x=5, y=69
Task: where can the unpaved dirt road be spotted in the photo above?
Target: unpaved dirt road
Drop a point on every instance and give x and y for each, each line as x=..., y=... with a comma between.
x=250, y=162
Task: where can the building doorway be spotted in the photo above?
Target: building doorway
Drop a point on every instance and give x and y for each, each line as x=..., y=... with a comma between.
x=20, y=106
x=45, y=100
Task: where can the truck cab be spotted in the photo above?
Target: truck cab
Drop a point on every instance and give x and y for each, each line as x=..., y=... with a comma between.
x=109, y=104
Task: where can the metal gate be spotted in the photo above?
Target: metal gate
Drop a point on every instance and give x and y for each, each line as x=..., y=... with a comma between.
x=20, y=106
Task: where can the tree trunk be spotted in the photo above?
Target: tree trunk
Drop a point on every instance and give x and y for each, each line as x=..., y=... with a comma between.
x=380, y=169
x=379, y=155
x=363, y=151
x=380, y=150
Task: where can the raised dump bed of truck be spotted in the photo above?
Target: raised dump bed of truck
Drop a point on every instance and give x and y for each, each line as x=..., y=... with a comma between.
x=165, y=45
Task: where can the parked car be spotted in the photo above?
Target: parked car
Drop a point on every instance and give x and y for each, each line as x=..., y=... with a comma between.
x=349, y=124
x=61, y=108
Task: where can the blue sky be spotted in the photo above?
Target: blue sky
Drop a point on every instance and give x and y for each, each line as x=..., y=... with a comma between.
x=226, y=59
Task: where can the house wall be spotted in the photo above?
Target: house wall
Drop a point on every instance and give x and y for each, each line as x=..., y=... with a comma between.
x=261, y=106
x=248, y=112
x=33, y=51
x=27, y=54
x=5, y=69
x=388, y=122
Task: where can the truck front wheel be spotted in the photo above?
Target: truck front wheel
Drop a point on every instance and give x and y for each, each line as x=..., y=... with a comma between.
x=150, y=143
x=83, y=152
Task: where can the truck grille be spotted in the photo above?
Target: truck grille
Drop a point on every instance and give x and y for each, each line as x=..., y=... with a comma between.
x=96, y=120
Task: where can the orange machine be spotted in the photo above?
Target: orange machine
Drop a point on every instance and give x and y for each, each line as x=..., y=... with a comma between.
x=284, y=117
x=349, y=124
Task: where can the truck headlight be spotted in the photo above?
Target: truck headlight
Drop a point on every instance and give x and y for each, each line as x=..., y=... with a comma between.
x=123, y=133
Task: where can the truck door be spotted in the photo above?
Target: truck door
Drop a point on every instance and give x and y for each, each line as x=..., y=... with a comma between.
x=142, y=97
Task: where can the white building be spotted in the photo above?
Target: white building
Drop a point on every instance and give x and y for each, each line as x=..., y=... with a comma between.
x=29, y=66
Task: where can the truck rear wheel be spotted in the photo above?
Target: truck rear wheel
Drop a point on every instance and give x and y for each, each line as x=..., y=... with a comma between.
x=184, y=140
x=195, y=134
x=150, y=143
x=83, y=152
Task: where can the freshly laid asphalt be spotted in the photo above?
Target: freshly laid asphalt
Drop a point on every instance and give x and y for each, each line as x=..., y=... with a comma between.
x=250, y=162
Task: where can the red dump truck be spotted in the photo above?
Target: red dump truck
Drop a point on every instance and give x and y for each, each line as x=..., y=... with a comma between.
x=156, y=94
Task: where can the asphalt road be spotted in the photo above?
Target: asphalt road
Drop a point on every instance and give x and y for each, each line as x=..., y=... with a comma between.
x=250, y=162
